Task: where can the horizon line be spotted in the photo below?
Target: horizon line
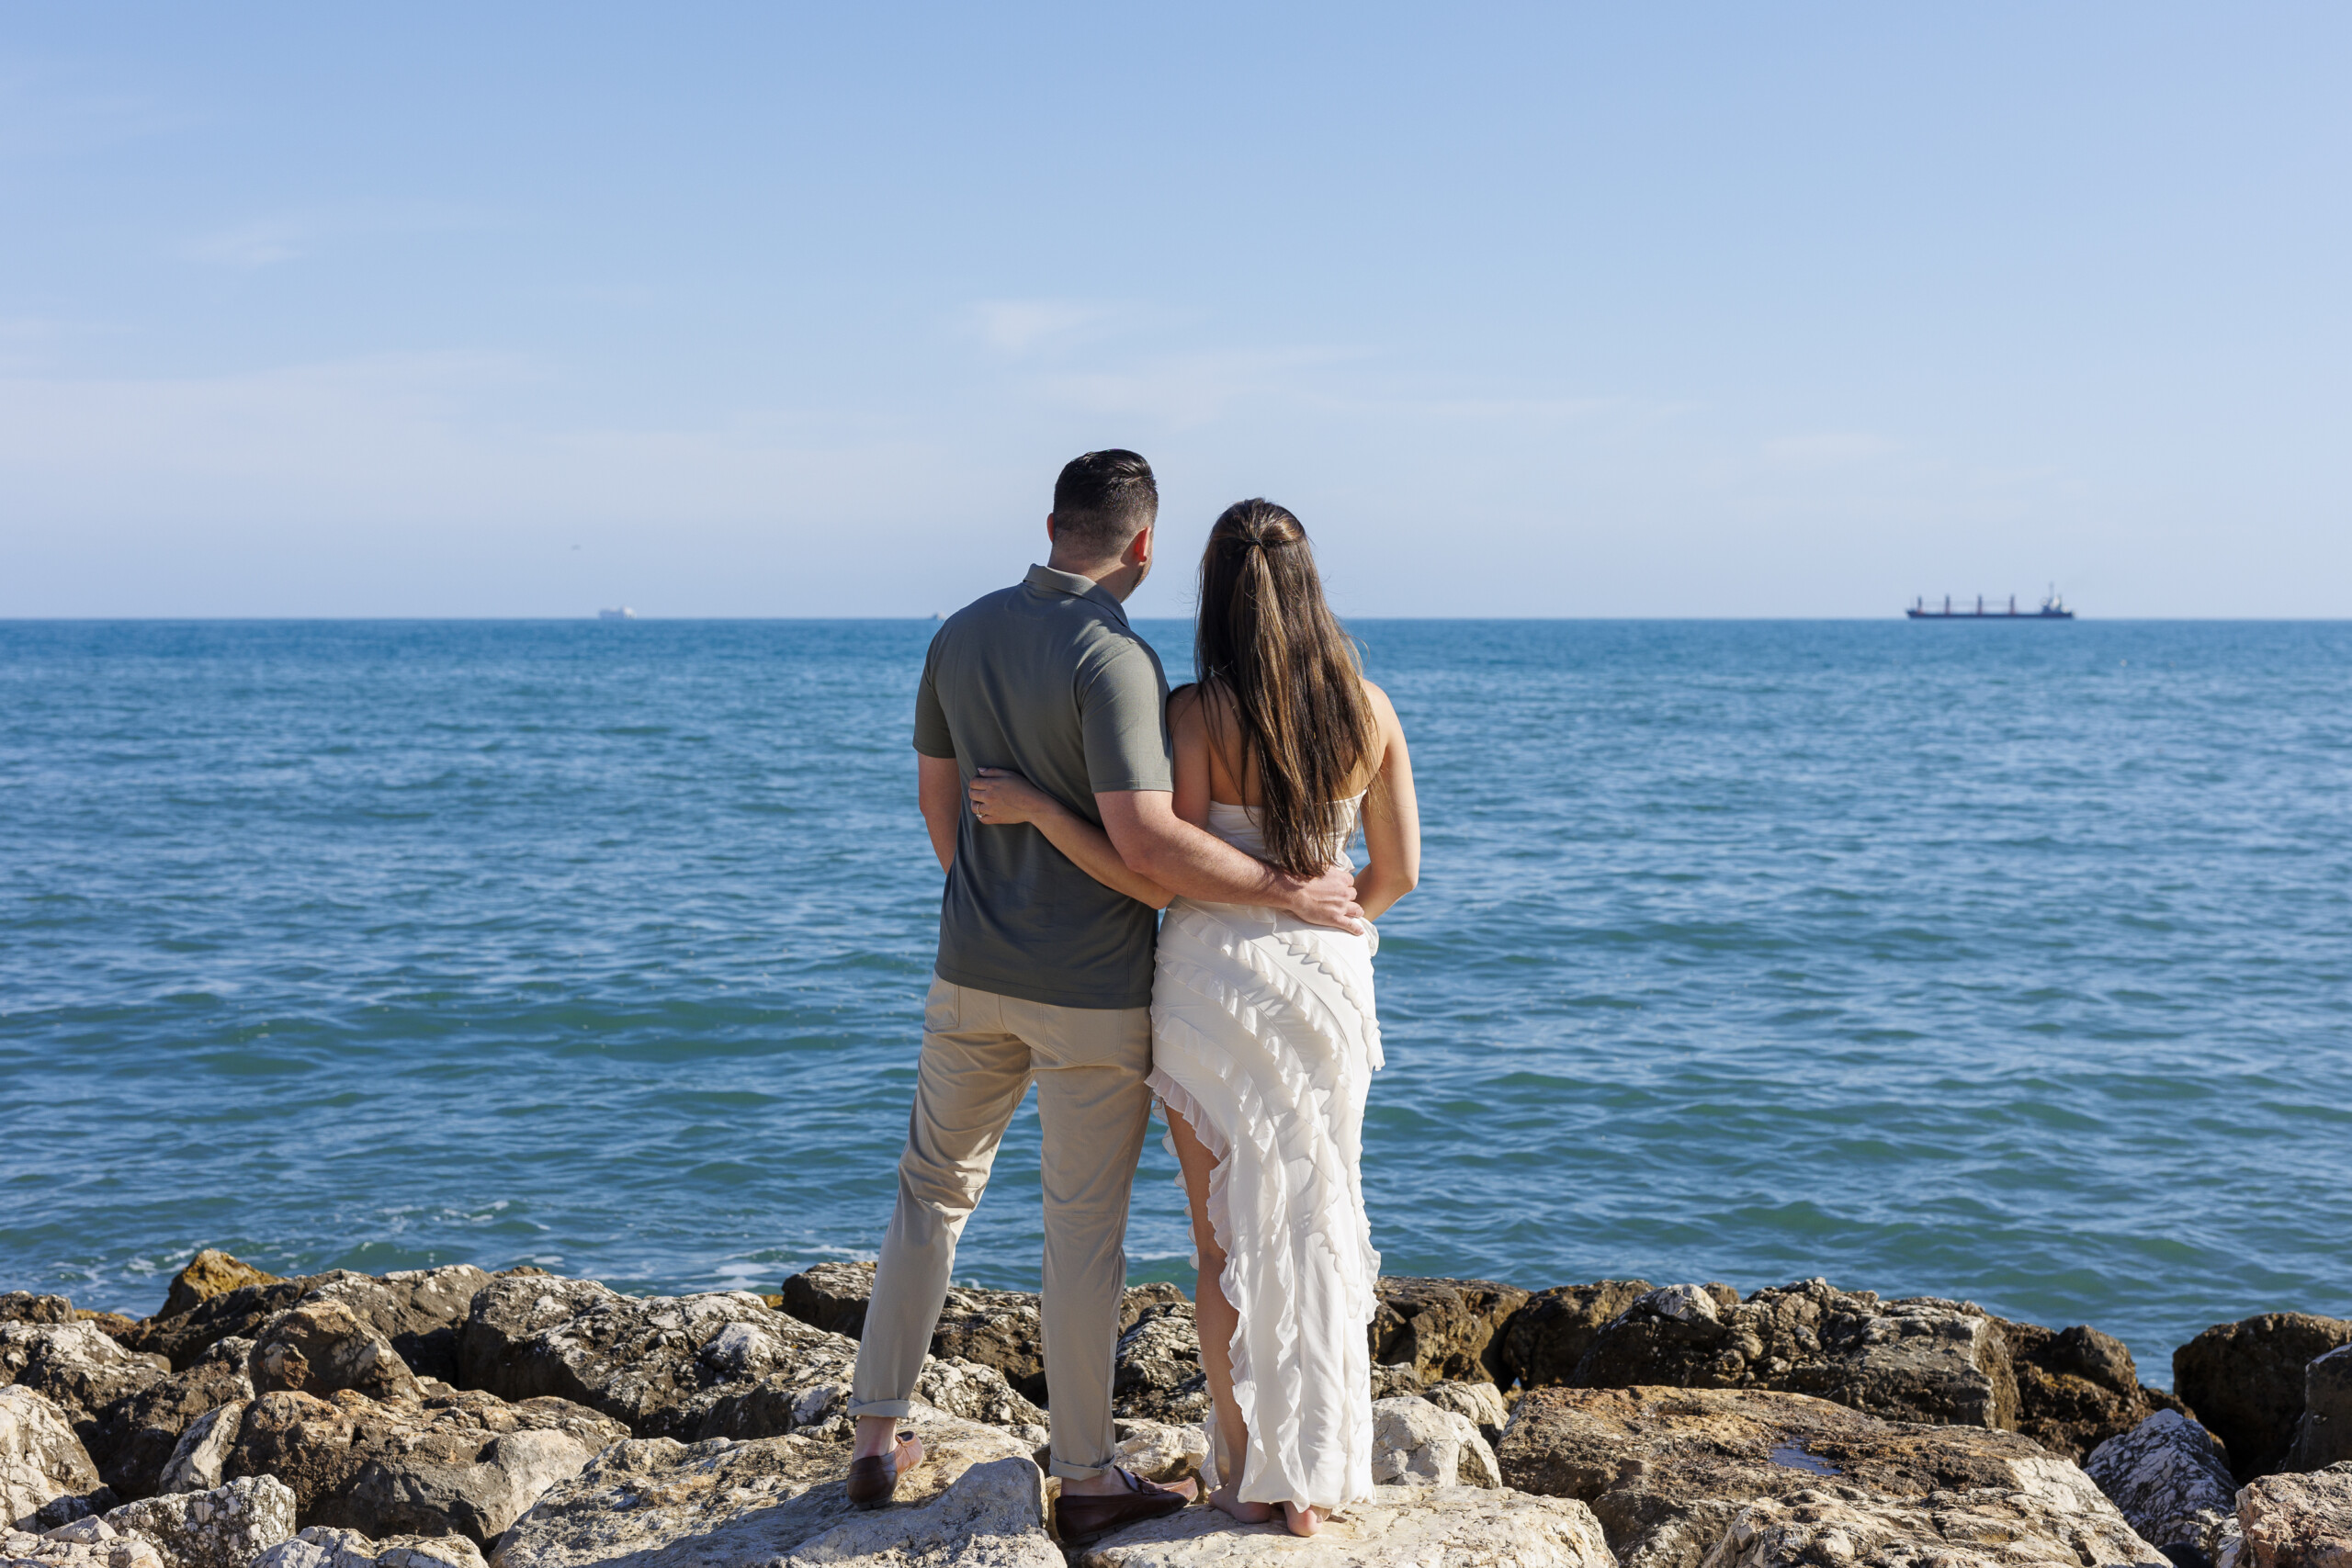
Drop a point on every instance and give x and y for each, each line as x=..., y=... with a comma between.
x=592, y=619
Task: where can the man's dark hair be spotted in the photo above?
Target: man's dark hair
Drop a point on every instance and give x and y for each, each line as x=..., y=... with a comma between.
x=1102, y=500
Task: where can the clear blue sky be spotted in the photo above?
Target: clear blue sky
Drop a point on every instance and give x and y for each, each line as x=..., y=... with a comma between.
x=756, y=310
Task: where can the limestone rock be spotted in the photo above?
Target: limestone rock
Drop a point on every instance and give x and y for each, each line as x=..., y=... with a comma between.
x=1481, y=1403
x=996, y=1329
x=74, y=1366
x=1402, y=1526
x=2077, y=1387
x=658, y=1363
x=42, y=1461
x=1158, y=1374
x=1415, y=1443
x=2171, y=1480
x=322, y=1546
x=973, y=1392
x=2297, y=1521
x=224, y=1527
x=832, y=1296
x=1667, y=1469
x=977, y=1502
x=1446, y=1328
x=238, y=1313
x=113, y=1324
x=2323, y=1436
x=24, y=1306
x=86, y=1543
x=467, y=1465
x=320, y=1344
x=991, y=1328
x=202, y=1452
x=1139, y=1301
x=1397, y=1379
x=420, y=1311
x=1161, y=1453
x=1985, y=1528
x=1917, y=1359
x=210, y=1273
x=808, y=1394
x=1543, y=1340
x=2244, y=1382
x=134, y=1438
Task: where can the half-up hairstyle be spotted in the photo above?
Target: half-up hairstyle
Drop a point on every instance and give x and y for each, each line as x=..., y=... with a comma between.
x=1270, y=646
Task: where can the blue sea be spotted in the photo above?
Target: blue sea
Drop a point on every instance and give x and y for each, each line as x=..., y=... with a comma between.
x=2006, y=962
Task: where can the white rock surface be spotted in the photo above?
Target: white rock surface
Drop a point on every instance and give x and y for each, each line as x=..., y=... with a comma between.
x=720, y=1364
x=1481, y=1402
x=2297, y=1521
x=1982, y=1529
x=321, y=1547
x=204, y=1448
x=84, y=1543
x=977, y=1501
x=2169, y=1479
x=1401, y=1527
x=226, y=1527
x=1415, y=1443
x=1683, y=1304
x=40, y=1459
x=77, y=1365
x=1159, y=1453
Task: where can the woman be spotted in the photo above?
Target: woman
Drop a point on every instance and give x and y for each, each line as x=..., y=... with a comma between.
x=1263, y=1033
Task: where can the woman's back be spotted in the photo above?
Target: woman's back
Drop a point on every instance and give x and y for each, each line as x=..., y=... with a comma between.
x=1240, y=826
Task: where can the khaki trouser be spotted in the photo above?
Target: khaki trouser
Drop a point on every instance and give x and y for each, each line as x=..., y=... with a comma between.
x=980, y=1051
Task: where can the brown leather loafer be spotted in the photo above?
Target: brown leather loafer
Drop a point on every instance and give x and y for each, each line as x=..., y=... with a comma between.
x=874, y=1482
x=1080, y=1520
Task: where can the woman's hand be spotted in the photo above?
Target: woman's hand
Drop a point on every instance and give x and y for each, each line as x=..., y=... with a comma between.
x=1000, y=796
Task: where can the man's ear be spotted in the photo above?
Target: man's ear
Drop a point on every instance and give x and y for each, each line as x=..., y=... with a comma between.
x=1049, y=528
x=1139, y=550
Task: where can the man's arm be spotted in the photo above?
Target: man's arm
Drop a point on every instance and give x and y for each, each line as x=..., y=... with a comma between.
x=1196, y=864
x=941, y=790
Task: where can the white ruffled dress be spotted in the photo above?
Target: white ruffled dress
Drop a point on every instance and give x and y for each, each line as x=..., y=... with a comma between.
x=1264, y=1039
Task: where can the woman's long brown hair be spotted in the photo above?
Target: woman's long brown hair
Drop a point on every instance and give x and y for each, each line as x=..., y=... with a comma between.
x=1270, y=646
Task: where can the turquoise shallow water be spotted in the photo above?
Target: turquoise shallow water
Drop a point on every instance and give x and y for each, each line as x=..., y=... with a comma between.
x=2012, y=962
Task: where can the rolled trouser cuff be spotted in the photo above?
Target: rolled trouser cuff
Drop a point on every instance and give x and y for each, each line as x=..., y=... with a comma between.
x=1069, y=1472
x=896, y=1409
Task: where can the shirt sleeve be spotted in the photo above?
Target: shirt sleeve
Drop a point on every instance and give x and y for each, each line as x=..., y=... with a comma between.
x=1123, y=710
x=932, y=737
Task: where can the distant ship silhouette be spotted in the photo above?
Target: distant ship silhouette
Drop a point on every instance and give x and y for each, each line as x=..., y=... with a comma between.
x=623, y=614
x=2053, y=609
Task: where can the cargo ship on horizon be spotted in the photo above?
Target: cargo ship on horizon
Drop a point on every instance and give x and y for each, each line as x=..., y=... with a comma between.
x=2053, y=608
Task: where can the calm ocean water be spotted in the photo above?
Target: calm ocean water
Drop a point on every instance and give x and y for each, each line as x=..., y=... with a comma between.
x=2004, y=962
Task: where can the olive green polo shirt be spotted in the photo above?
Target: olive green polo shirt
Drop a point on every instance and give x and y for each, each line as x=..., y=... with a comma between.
x=1048, y=679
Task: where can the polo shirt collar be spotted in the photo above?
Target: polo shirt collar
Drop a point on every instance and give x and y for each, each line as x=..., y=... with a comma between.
x=1077, y=587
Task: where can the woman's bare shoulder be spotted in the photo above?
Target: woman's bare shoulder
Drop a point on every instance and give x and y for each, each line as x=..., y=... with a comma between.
x=1382, y=710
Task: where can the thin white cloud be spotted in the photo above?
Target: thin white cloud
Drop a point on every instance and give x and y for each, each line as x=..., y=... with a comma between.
x=249, y=245
x=1028, y=326
x=411, y=438
x=1188, y=389
x=43, y=113
x=283, y=237
x=1826, y=449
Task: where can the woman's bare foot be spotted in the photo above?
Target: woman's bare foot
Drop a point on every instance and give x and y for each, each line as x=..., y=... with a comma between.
x=1224, y=1500
x=1303, y=1521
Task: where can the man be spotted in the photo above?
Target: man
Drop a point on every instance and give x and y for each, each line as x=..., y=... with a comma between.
x=1043, y=974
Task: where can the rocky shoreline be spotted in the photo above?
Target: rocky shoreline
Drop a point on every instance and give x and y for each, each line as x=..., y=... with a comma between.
x=455, y=1418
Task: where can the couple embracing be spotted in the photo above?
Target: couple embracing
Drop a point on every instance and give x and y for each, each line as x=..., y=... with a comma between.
x=1070, y=800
